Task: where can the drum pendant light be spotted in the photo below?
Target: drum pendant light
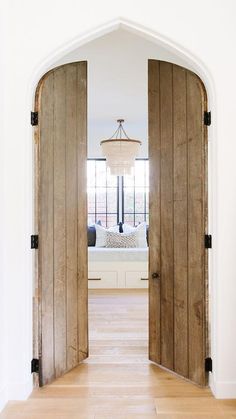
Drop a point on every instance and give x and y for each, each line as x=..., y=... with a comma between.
x=120, y=151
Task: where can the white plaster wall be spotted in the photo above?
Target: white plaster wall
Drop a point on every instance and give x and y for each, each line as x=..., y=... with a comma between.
x=118, y=84
x=3, y=322
x=206, y=31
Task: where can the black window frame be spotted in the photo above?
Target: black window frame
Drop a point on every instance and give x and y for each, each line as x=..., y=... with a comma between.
x=106, y=213
x=134, y=213
x=119, y=217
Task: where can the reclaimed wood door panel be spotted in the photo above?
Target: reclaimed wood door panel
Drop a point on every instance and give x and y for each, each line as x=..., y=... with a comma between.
x=154, y=233
x=62, y=206
x=177, y=154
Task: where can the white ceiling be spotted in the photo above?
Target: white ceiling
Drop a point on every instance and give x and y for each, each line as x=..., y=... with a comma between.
x=117, y=85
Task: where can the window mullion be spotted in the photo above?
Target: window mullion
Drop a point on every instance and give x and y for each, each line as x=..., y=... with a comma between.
x=121, y=198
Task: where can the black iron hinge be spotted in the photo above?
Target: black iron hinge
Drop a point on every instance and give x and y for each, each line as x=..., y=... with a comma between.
x=208, y=241
x=34, y=118
x=35, y=365
x=208, y=365
x=207, y=118
x=34, y=241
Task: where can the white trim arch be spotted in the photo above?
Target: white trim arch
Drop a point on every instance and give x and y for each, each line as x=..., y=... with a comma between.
x=189, y=60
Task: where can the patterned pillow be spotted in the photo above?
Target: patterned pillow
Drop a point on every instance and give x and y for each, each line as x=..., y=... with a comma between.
x=101, y=234
x=141, y=233
x=120, y=239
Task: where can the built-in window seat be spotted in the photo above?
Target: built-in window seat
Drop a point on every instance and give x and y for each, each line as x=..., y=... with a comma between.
x=117, y=267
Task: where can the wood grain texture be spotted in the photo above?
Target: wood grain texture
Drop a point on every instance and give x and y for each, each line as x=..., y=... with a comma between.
x=180, y=222
x=71, y=217
x=46, y=248
x=196, y=229
x=63, y=316
x=154, y=209
x=117, y=381
x=59, y=224
x=166, y=216
x=176, y=123
x=82, y=212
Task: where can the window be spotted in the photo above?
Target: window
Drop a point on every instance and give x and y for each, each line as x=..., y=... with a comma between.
x=136, y=194
x=103, y=195
x=112, y=199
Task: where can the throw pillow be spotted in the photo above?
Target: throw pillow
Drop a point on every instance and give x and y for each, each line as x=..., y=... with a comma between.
x=120, y=239
x=92, y=234
x=101, y=234
x=140, y=231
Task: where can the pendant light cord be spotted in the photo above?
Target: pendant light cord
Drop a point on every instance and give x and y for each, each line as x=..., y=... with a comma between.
x=120, y=130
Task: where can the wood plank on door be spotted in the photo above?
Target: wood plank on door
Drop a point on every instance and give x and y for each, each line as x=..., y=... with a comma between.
x=63, y=311
x=71, y=216
x=46, y=248
x=196, y=229
x=180, y=179
x=82, y=209
x=59, y=221
x=154, y=209
x=166, y=215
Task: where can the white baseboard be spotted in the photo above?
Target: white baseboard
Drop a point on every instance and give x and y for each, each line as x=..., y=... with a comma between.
x=3, y=397
x=20, y=390
x=15, y=391
x=223, y=389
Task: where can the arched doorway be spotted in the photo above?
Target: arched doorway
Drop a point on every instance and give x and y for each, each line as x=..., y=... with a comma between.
x=197, y=312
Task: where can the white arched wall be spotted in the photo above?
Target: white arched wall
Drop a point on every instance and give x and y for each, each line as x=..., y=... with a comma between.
x=29, y=41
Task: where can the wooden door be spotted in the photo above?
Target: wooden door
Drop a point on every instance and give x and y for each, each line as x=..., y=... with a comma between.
x=62, y=315
x=178, y=260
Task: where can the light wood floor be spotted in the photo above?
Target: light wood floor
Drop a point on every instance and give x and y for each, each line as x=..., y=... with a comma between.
x=117, y=381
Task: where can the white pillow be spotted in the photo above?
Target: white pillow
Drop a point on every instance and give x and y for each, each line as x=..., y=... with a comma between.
x=140, y=231
x=101, y=234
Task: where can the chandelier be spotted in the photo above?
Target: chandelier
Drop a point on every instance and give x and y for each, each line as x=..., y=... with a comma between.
x=120, y=151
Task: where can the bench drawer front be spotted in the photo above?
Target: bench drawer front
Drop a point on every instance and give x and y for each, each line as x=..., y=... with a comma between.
x=102, y=279
x=136, y=279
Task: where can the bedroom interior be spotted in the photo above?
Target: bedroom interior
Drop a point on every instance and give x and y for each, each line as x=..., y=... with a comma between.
x=116, y=199
x=118, y=211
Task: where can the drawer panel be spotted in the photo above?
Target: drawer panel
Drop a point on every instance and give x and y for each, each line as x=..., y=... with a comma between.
x=136, y=279
x=102, y=279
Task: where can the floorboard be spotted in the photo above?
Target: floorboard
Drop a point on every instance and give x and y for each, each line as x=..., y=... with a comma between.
x=117, y=380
